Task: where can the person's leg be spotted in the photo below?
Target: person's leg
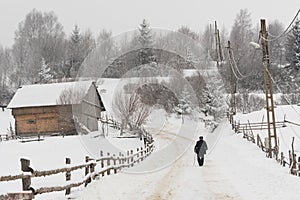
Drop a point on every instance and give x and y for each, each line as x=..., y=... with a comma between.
x=201, y=161
x=198, y=159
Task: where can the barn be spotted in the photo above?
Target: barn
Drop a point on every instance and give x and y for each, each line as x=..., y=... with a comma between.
x=46, y=109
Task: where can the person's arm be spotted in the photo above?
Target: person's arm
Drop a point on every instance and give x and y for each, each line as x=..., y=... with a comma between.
x=196, y=148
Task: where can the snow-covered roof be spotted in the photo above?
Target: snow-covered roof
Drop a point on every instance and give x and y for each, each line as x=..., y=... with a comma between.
x=48, y=94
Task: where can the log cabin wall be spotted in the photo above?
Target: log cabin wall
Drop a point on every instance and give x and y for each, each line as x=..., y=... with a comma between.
x=43, y=120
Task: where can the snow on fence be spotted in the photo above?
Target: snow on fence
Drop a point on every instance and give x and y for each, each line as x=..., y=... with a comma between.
x=247, y=130
x=141, y=132
x=106, y=165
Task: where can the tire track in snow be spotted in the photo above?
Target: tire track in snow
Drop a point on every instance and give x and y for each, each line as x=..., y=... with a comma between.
x=199, y=183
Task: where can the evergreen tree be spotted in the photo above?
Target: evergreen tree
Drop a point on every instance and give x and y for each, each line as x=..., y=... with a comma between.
x=145, y=36
x=74, y=59
x=185, y=105
x=190, y=59
x=44, y=73
x=293, y=47
x=76, y=37
x=145, y=42
x=295, y=60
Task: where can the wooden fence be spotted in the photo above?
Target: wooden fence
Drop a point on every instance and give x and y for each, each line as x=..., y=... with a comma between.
x=247, y=129
x=141, y=132
x=106, y=165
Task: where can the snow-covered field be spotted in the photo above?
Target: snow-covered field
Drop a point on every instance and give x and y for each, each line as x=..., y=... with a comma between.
x=50, y=153
x=6, y=119
x=234, y=168
x=285, y=134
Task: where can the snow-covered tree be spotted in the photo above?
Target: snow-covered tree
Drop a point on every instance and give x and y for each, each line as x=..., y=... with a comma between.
x=190, y=59
x=130, y=110
x=206, y=102
x=293, y=47
x=80, y=45
x=44, y=73
x=185, y=105
x=74, y=52
x=145, y=36
x=276, y=47
x=38, y=36
x=145, y=43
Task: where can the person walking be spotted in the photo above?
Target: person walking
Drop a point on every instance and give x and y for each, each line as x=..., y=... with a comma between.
x=200, y=149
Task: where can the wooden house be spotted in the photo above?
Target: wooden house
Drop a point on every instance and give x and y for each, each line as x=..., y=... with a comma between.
x=56, y=108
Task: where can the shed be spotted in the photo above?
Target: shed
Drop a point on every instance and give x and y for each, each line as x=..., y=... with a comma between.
x=56, y=108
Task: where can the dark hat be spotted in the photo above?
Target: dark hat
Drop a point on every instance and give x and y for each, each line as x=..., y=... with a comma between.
x=201, y=137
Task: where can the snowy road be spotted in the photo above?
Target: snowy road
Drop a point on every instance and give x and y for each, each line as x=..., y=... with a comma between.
x=234, y=169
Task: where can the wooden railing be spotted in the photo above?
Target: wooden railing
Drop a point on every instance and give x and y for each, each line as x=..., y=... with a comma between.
x=106, y=165
x=247, y=129
x=141, y=132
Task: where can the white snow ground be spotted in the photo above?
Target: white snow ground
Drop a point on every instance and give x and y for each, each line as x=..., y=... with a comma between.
x=234, y=169
x=6, y=118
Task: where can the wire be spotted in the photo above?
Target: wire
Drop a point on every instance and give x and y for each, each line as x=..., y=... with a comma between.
x=289, y=102
x=234, y=62
x=231, y=66
x=233, y=71
x=284, y=32
x=295, y=133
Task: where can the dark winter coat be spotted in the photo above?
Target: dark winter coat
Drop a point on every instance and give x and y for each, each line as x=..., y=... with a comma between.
x=200, y=148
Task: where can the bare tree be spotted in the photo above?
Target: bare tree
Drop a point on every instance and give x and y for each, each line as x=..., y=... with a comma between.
x=130, y=109
x=70, y=96
x=39, y=35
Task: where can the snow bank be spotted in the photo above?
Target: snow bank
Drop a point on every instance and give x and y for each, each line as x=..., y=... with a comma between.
x=6, y=118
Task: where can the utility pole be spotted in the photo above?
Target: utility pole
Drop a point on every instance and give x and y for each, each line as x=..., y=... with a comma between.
x=210, y=41
x=272, y=140
x=220, y=49
x=232, y=84
x=219, y=55
x=217, y=44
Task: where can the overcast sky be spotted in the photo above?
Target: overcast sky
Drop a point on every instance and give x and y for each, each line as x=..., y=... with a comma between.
x=125, y=15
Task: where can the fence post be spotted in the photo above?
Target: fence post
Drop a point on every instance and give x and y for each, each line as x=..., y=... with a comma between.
x=115, y=163
x=92, y=167
x=108, y=160
x=120, y=159
x=137, y=155
x=282, y=159
x=87, y=159
x=26, y=182
x=68, y=176
x=102, y=166
x=298, y=166
x=108, y=163
x=142, y=151
x=131, y=152
x=290, y=158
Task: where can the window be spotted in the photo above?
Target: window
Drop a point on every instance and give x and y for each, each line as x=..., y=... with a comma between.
x=30, y=121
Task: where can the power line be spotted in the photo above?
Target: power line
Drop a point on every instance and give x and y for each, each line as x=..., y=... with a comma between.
x=284, y=32
x=231, y=66
x=236, y=65
x=289, y=102
x=295, y=133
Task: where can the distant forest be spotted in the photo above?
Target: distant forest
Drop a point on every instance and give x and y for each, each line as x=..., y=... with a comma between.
x=42, y=51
